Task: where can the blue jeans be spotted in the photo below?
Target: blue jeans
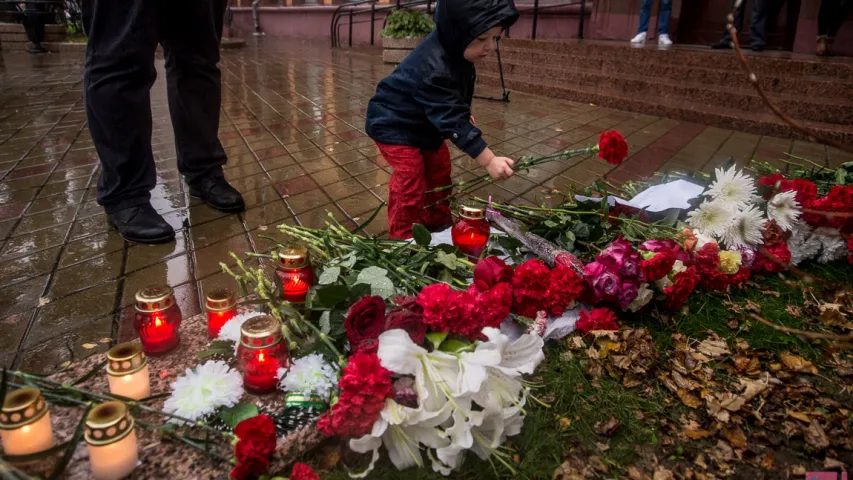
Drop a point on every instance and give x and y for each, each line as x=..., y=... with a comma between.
x=663, y=16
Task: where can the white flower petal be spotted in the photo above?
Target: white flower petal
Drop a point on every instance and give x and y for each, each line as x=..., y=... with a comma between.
x=732, y=187
x=784, y=209
x=399, y=353
x=712, y=218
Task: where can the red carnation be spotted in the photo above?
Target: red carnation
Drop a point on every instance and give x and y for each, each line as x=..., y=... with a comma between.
x=612, y=147
x=597, y=319
x=707, y=258
x=444, y=309
x=491, y=308
x=530, y=287
x=491, y=271
x=715, y=281
x=257, y=438
x=364, y=324
x=684, y=283
x=770, y=185
x=657, y=267
x=772, y=258
x=565, y=287
x=850, y=249
x=303, y=472
x=364, y=384
x=741, y=277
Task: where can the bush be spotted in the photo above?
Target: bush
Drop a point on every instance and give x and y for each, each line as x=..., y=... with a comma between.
x=404, y=23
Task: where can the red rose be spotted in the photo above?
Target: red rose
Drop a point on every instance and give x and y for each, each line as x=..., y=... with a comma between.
x=364, y=323
x=612, y=147
x=597, y=319
x=410, y=319
x=772, y=233
x=491, y=271
x=303, y=472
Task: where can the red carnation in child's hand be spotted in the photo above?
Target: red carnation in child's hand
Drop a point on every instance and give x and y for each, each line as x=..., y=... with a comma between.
x=597, y=319
x=612, y=147
x=364, y=324
x=303, y=472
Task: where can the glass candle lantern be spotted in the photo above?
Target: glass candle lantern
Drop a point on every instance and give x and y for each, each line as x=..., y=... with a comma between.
x=157, y=319
x=470, y=233
x=25, y=423
x=127, y=371
x=221, y=306
x=261, y=353
x=111, y=440
x=295, y=273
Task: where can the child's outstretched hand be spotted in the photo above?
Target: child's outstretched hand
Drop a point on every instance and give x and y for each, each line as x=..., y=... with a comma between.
x=500, y=168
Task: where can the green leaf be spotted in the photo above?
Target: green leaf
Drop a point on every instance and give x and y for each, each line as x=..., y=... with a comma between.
x=217, y=348
x=449, y=260
x=421, y=235
x=326, y=322
x=436, y=339
x=329, y=276
x=581, y=230
x=454, y=345
x=236, y=414
x=330, y=295
x=348, y=260
x=378, y=280
x=445, y=276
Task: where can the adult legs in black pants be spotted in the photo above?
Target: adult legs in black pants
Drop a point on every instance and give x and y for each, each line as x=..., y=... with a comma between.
x=757, y=25
x=829, y=20
x=123, y=38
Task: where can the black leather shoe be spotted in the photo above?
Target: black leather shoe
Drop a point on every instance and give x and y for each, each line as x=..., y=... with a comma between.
x=757, y=48
x=218, y=193
x=721, y=45
x=141, y=224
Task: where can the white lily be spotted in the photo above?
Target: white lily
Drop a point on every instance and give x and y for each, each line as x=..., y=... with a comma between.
x=518, y=356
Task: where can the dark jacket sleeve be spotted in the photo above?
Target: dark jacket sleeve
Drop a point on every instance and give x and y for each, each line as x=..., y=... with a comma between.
x=448, y=111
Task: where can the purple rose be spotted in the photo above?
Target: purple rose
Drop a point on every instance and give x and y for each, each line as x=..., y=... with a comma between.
x=630, y=266
x=591, y=271
x=606, y=285
x=627, y=294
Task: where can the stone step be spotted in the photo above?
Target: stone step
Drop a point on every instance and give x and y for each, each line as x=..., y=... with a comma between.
x=689, y=111
x=772, y=83
x=819, y=108
x=765, y=63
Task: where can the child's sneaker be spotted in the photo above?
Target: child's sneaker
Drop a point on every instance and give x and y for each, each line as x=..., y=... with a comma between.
x=664, y=40
x=639, y=39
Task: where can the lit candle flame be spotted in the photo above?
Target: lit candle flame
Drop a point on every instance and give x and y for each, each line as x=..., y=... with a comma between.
x=261, y=357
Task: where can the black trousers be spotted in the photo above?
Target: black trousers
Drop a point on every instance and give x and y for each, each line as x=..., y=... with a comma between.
x=123, y=38
x=34, y=18
x=757, y=22
x=830, y=17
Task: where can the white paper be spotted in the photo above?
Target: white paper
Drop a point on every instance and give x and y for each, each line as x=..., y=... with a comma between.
x=668, y=195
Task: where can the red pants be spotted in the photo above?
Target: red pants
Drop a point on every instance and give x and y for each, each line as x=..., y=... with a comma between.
x=415, y=172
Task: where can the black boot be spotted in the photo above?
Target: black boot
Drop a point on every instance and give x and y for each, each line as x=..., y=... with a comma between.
x=218, y=193
x=141, y=224
x=722, y=45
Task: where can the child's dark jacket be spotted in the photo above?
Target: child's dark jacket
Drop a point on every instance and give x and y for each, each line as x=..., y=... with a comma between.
x=427, y=98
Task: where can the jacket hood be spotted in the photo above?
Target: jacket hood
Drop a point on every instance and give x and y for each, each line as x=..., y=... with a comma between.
x=459, y=22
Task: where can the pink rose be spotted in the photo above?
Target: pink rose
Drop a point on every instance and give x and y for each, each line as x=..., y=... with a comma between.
x=627, y=294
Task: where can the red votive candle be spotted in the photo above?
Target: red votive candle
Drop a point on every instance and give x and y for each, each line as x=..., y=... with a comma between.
x=295, y=273
x=470, y=233
x=221, y=306
x=157, y=319
x=262, y=352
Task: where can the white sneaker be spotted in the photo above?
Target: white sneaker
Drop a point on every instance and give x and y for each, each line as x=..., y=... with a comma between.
x=664, y=40
x=640, y=38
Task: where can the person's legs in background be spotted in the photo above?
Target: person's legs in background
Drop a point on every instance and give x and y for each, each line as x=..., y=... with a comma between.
x=726, y=40
x=643, y=27
x=406, y=190
x=122, y=39
x=829, y=20
x=663, y=23
x=758, y=25
x=191, y=32
x=437, y=171
x=255, y=17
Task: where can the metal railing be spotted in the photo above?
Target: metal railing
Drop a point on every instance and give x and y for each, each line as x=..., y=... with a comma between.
x=351, y=9
x=536, y=8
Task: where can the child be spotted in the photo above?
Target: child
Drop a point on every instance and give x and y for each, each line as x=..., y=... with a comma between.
x=426, y=100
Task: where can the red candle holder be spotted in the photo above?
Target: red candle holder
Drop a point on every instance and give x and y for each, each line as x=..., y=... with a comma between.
x=295, y=273
x=157, y=319
x=221, y=306
x=261, y=353
x=470, y=233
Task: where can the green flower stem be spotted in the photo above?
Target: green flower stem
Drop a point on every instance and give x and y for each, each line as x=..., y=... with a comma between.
x=184, y=440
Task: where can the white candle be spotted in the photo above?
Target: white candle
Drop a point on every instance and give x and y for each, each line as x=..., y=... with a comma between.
x=127, y=370
x=111, y=439
x=25, y=423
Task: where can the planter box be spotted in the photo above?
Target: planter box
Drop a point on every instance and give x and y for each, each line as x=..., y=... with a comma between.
x=14, y=37
x=395, y=50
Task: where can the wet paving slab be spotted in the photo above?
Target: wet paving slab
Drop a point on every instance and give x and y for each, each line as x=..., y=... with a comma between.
x=292, y=123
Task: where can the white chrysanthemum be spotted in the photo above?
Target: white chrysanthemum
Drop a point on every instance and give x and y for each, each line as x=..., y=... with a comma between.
x=712, y=218
x=784, y=209
x=309, y=374
x=230, y=332
x=833, y=246
x=802, y=244
x=201, y=391
x=732, y=187
x=746, y=230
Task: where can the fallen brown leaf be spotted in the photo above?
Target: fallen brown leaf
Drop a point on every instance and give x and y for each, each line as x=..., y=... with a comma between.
x=662, y=473
x=635, y=474
x=713, y=348
x=767, y=459
x=735, y=436
x=797, y=363
x=815, y=435
x=608, y=427
x=688, y=398
x=794, y=311
x=694, y=431
x=799, y=416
